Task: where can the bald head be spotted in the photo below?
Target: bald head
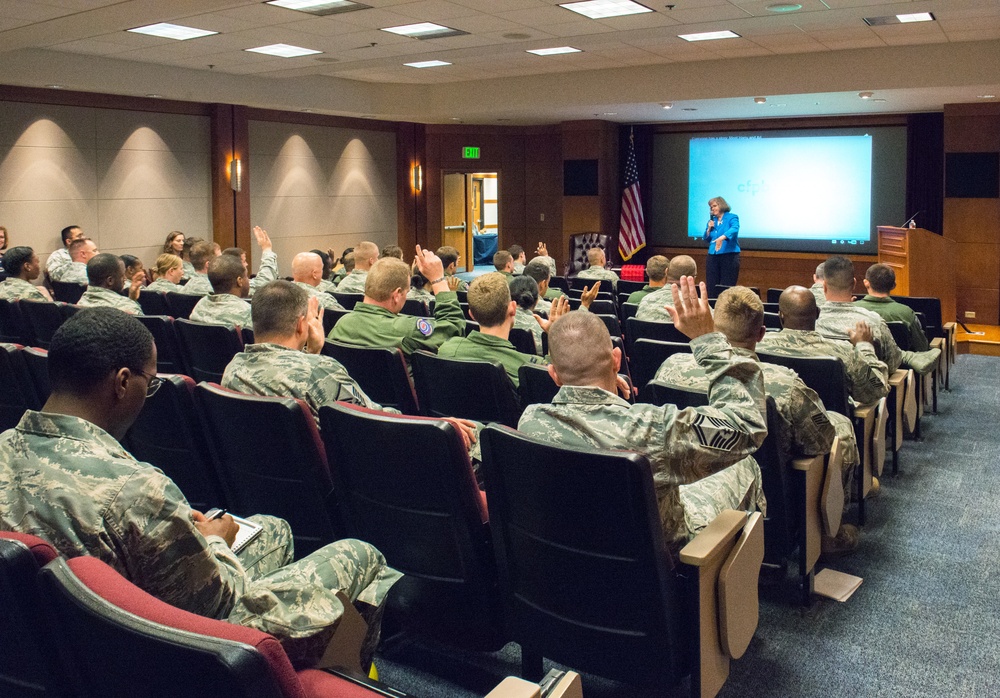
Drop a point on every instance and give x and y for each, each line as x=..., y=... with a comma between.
x=581, y=350
x=307, y=267
x=798, y=309
x=595, y=256
x=681, y=265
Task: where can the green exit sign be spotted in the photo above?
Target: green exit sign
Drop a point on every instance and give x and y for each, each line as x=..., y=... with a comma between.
x=470, y=152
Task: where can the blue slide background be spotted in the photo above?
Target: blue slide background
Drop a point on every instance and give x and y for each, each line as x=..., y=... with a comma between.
x=807, y=188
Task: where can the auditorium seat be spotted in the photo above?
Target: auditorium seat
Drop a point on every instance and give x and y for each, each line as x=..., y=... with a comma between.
x=586, y=578
x=348, y=300
x=647, y=329
x=935, y=328
x=414, y=497
x=380, y=371
x=120, y=642
x=37, y=362
x=774, y=294
x=476, y=390
x=523, y=340
x=67, y=292
x=627, y=310
x=604, y=306
x=656, y=393
x=169, y=435
x=154, y=303
x=13, y=327
x=535, y=385
x=43, y=318
x=17, y=389
x=772, y=321
x=647, y=355
x=612, y=323
x=181, y=304
x=207, y=349
x=415, y=306
x=626, y=287
x=169, y=358
x=270, y=460
x=579, y=243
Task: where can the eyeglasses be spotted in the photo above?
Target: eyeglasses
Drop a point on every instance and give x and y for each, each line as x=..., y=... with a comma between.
x=153, y=383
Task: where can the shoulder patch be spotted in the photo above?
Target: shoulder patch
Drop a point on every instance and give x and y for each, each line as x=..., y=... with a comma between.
x=714, y=433
x=425, y=327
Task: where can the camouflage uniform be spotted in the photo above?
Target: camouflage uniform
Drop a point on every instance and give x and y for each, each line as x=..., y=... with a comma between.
x=325, y=299
x=651, y=307
x=69, y=482
x=165, y=286
x=420, y=294
x=837, y=318
x=518, y=268
x=817, y=290
x=97, y=297
x=223, y=309
x=72, y=273
x=198, y=285
x=525, y=320
x=188, y=269
x=338, y=276
x=600, y=273
x=266, y=272
x=353, y=282
x=543, y=306
x=371, y=325
x=807, y=427
x=637, y=296
x=326, y=286
x=271, y=369
x=551, y=263
x=58, y=259
x=894, y=311
x=486, y=347
x=15, y=289
x=867, y=376
x=695, y=453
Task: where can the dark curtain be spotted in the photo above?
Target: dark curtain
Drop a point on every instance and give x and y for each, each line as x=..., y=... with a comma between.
x=925, y=170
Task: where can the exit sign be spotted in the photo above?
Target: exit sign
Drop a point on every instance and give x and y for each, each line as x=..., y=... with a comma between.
x=470, y=152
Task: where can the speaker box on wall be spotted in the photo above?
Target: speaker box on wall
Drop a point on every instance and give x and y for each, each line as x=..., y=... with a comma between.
x=579, y=177
x=972, y=175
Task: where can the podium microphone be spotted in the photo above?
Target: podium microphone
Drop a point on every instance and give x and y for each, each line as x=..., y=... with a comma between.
x=910, y=219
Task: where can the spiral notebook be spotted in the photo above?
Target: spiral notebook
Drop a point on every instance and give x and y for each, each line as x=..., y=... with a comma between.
x=248, y=531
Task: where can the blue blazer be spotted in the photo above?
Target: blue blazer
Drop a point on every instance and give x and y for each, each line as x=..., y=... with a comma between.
x=729, y=226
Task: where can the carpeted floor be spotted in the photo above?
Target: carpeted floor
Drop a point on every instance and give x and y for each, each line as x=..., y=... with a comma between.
x=925, y=622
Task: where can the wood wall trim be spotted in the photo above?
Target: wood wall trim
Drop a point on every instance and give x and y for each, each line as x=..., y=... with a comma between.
x=329, y=120
x=846, y=121
x=764, y=254
x=241, y=232
x=71, y=98
x=221, y=145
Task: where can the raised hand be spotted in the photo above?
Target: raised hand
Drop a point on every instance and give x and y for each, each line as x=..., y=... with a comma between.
x=314, y=319
x=690, y=312
x=589, y=294
x=429, y=264
x=263, y=239
x=138, y=281
x=560, y=306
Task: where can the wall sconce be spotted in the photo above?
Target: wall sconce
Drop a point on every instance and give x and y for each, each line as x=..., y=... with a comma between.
x=236, y=174
x=417, y=178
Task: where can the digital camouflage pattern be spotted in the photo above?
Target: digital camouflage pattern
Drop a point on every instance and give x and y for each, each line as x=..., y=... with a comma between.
x=72, y=273
x=837, y=318
x=420, y=294
x=894, y=311
x=525, y=320
x=684, y=447
x=266, y=272
x=651, y=307
x=164, y=286
x=97, y=297
x=818, y=293
x=867, y=376
x=326, y=286
x=57, y=260
x=326, y=301
x=371, y=325
x=188, y=269
x=198, y=285
x=353, y=282
x=15, y=289
x=223, y=309
x=602, y=274
x=636, y=296
x=69, y=482
x=549, y=262
x=485, y=347
x=271, y=369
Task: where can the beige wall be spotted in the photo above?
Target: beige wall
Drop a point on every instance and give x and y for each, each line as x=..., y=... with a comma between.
x=127, y=178
x=317, y=187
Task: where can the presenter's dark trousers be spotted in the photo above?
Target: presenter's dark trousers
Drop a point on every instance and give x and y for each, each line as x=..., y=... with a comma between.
x=723, y=269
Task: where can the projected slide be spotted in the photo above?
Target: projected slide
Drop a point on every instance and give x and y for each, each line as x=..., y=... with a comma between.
x=795, y=188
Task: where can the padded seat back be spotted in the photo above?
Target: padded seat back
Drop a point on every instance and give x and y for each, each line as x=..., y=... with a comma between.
x=43, y=319
x=535, y=385
x=380, y=371
x=17, y=390
x=826, y=375
x=37, y=362
x=578, y=246
x=270, y=460
x=415, y=306
x=443, y=389
x=662, y=394
x=348, y=300
x=181, y=304
x=900, y=333
x=523, y=340
x=415, y=498
x=154, y=303
x=67, y=292
x=207, y=348
x=647, y=355
x=930, y=308
x=783, y=511
x=627, y=287
x=169, y=358
x=13, y=327
x=646, y=329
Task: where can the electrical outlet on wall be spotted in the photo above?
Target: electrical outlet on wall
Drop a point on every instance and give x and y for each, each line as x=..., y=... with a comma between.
x=970, y=314
x=541, y=216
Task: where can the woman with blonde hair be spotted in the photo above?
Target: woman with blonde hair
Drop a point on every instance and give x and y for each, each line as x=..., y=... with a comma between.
x=167, y=273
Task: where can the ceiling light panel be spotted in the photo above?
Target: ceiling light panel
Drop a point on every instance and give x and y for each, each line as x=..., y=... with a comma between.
x=283, y=50
x=319, y=7
x=172, y=31
x=709, y=36
x=602, y=9
x=553, y=51
x=424, y=30
x=916, y=17
x=427, y=64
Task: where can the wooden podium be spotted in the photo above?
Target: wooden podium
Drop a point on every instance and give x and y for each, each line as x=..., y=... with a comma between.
x=924, y=264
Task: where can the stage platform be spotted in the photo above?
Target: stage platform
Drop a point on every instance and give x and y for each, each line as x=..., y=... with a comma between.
x=985, y=344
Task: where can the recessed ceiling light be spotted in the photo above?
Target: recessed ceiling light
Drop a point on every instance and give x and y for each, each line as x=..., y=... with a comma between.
x=283, y=51
x=307, y=111
x=602, y=9
x=553, y=51
x=172, y=31
x=689, y=109
x=154, y=96
x=879, y=99
x=784, y=7
x=424, y=30
x=427, y=64
x=986, y=96
x=667, y=105
x=866, y=95
x=916, y=17
x=319, y=7
x=709, y=36
x=56, y=87
x=759, y=100
x=609, y=113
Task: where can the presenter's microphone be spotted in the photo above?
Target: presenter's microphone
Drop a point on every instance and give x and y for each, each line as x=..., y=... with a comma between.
x=910, y=219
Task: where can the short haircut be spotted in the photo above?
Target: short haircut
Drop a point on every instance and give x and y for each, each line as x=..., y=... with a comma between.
x=349, y=262
x=580, y=347
x=129, y=260
x=394, y=251
x=67, y=232
x=881, y=278
x=595, y=256
x=15, y=258
x=201, y=253
x=94, y=343
x=819, y=271
x=190, y=242
x=723, y=206
x=739, y=314
x=681, y=265
x=165, y=262
x=365, y=250
x=501, y=259
x=327, y=263
x=656, y=267
x=489, y=298
x=838, y=272
x=223, y=271
x=524, y=290
x=386, y=275
x=234, y=252
x=75, y=246
x=537, y=270
x=447, y=254
x=515, y=251
x=102, y=267
x=277, y=307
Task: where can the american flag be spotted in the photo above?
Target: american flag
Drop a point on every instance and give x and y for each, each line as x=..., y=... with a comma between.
x=632, y=229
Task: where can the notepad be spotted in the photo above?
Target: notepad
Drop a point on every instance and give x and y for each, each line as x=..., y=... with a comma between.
x=836, y=585
x=248, y=531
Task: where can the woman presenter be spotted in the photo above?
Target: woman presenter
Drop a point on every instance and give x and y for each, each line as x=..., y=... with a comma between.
x=722, y=235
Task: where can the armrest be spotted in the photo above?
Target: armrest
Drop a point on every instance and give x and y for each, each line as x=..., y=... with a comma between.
x=832, y=497
x=738, y=604
x=808, y=464
x=513, y=687
x=714, y=539
x=864, y=412
x=344, y=649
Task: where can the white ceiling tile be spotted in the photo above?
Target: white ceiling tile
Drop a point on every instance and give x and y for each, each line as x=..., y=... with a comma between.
x=542, y=16
x=714, y=13
x=975, y=35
